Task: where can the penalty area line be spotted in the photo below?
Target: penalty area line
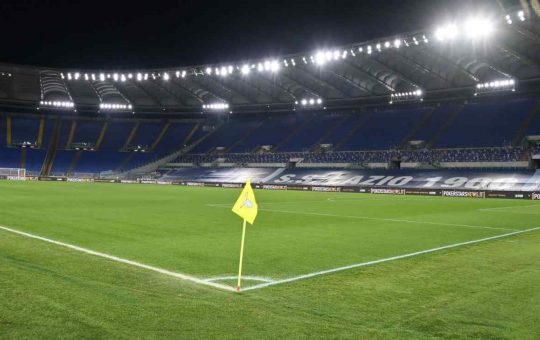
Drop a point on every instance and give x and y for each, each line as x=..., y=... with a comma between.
x=388, y=259
x=181, y=276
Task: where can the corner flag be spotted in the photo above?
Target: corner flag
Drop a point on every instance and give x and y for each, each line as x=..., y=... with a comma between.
x=245, y=207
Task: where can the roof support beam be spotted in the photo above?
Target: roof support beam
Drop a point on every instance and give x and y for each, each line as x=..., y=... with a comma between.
x=425, y=68
x=321, y=81
x=187, y=91
x=396, y=72
x=350, y=81
x=451, y=63
x=237, y=89
x=225, y=92
x=258, y=88
x=273, y=84
x=519, y=56
x=296, y=84
x=370, y=76
x=203, y=87
x=169, y=92
x=151, y=96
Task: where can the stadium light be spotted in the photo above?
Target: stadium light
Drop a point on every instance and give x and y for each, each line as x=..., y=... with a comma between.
x=245, y=70
x=406, y=96
x=496, y=86
x=320, y=59
x=447, y=32
x=478, y=28
x=115, y=107
x=58, y=104
x=310, y=102
x=216, y=106
x=166, y=76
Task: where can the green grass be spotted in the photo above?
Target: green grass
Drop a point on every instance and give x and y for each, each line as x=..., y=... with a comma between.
x=487, y=290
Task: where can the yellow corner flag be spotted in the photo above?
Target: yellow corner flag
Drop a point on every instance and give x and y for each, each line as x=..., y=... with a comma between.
x=245, y=207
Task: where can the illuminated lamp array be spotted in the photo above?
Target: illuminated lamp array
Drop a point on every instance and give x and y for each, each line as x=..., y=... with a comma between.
x=216, y=106
x=106, y=106
x=58, y=104
x=307, y=102
x=496, y=86
x=406, y=96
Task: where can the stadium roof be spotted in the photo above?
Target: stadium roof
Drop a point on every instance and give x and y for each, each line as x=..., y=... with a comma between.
x=456, y=60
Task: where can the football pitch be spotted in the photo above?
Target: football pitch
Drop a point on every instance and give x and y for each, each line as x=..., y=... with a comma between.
x=348, y=260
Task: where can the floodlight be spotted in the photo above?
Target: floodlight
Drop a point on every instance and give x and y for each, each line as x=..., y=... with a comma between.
x=397, y=43
x=447, y=32
x=166, y=76
x=478, y=28
x=274, y=66
x=102, y=77
x=319, y=58
x=245, y=70
x=139, y=76
x=304, y=102
x=208, y=70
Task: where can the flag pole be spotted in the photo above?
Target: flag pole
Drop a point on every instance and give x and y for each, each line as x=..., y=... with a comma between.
x=241, y=257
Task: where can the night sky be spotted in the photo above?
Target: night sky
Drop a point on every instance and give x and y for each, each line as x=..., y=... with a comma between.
x=108, y=34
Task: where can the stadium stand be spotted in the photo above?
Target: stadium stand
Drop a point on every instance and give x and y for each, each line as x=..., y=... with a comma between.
x=479, y=132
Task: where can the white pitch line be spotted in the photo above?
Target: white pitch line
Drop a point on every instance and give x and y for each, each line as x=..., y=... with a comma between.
x=121, y=260
x=388, y=219
x=234, y=277
x=388, y=259
x=496, y=209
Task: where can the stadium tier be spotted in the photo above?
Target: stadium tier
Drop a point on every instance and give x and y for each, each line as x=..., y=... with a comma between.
x=501, y=132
